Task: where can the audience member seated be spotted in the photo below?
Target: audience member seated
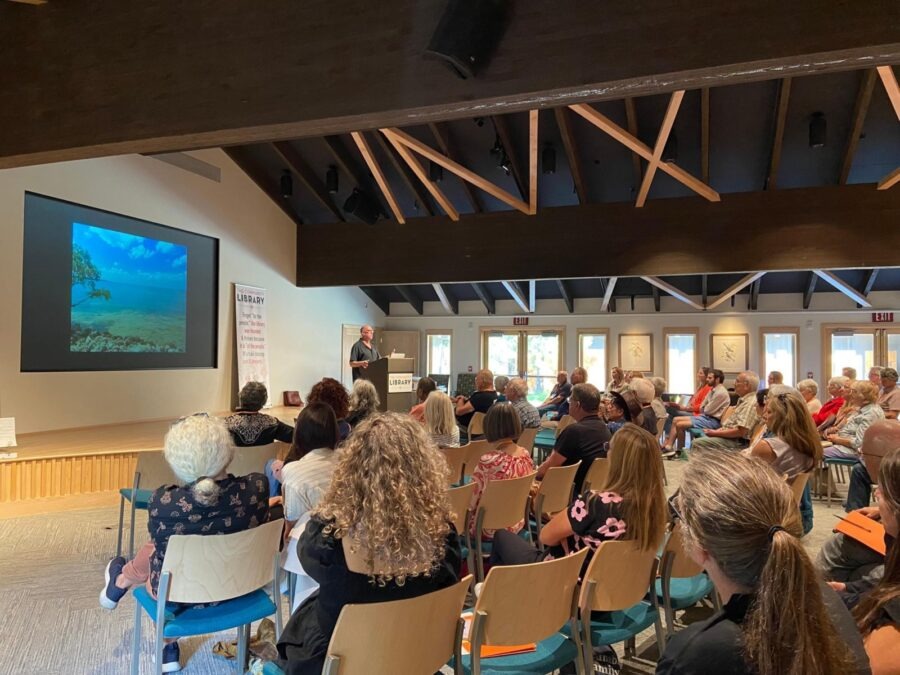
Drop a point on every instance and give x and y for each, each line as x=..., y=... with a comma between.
x=440, y=422
x=248, y=426
x=775, y=377
x=848, y=372
x=829, y=410
x=741, y=524
x=558, y=394
x=808, y=390
x=212, y=501
x=878, y=612
x=644, y=391
x=584, y=441
x=792, y=447
x=426, y=386
x=889, y=398
x=616, y=412
x=711, y=410
x=843, y=415
x=480, y=401
x=506, y=459
x=735, y=432
x=500, y=383
x=579, y=376
x=387, y=504
x=332, y=392
x=881, y=437
x=693, y=406
x=631, y=506
x=516, y=393
x=616, y=380
x=875, y=375
x=659, y=408
x=307, y=470
x=364, y=401
x=847, y=439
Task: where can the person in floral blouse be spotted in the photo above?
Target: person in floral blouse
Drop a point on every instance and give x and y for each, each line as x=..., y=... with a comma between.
x=631, y=506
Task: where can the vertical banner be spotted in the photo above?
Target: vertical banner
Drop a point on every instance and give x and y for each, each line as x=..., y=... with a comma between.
x=250, y=332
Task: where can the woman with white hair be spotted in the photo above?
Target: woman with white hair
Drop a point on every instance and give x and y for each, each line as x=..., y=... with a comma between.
x=363, y=401
x=808, y=390
x=210, y=501
x=831, y=407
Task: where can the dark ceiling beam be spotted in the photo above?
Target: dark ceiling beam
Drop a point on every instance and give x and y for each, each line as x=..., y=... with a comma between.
x=704, y=135
x=771, y=230
x=484, y=295
x=564, y=122
x=307, y=176
x=413, y=299
x=608, y=295
x=301, y=69
x=845, y=288
x=448, y=300
x=656, y=300
x=348, y=163
x=781, y=107
x=857, y=122
x=412, y=183
x=810, y=289
x=704, y=289
x=753, y=299
x=518, y=294
x=376, y=295
x=502, y=127
x=441, y=133
x=632, y=125
x=566, y=294
x=869, y=283
x=264, y=182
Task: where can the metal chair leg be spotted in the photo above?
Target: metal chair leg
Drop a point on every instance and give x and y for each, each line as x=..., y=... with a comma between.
x=136, y=640
x=131, y=528
x=121, y=525
x=243, y=643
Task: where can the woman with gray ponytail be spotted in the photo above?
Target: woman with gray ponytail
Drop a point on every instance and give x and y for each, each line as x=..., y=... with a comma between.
x=211, y=501
x=742, y=525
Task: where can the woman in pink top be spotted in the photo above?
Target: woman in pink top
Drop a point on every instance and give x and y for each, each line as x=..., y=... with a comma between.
x=425, y=387
x=506, y=459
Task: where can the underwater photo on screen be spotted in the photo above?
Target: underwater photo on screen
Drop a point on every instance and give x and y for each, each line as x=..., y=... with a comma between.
x=129, y=293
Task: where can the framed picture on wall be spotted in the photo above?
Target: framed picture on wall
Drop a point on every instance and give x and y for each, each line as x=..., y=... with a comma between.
x=730, y=351
x=636, y=352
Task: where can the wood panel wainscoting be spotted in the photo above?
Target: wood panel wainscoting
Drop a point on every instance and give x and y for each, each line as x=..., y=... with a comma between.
x=27, y=479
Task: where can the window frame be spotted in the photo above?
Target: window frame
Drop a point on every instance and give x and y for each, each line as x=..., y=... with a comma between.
x=579, y=333
x=674, y=330
x=437, y=331
x=485, y=331
x=763, y=331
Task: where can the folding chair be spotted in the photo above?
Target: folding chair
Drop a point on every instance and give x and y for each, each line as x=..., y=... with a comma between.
x=596, y=476
x=474, y=451
x=553, y=495
x=456, y=460
x=503, y=503
x=151, y=471
x=682, y=582
x=476, y=426
x=252, y=459
x=527, y=437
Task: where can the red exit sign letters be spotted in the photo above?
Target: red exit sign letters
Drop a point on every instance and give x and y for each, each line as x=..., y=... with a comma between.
x=520, y=321
x=882, y=317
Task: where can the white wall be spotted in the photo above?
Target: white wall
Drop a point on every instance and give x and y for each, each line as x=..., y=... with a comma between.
x=774, y=311
x=257, y=246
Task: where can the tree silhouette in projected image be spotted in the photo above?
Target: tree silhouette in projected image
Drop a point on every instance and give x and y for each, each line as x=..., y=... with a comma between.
x=84, y=273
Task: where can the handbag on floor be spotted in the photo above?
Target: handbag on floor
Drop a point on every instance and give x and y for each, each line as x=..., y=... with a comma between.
x=605, y=662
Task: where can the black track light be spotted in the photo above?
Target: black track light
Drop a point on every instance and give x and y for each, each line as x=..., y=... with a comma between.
x=361, y=205
x=818, y=128
x=435, y=172
x=331, y=180
x=504, y=163
x=287, y=184
x=670, y=151
x=548, y=159
x=498, y=146
x=479, y=121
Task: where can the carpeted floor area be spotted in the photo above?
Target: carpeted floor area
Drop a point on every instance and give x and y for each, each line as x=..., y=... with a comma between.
x=51, y=572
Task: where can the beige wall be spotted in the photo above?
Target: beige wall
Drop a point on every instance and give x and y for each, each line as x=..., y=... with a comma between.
x=257, y=246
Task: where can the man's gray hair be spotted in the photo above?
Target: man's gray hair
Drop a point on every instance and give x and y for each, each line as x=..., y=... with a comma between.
x=659, y=384
x=752, y=379
x=808, y=385
x=517, y=386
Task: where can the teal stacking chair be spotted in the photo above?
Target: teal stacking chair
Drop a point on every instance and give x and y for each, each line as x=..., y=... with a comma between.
x=503, y=503
x=523, y=604
x=151, y=471
x=230, y=570
x=682, y=582
x=835, y=463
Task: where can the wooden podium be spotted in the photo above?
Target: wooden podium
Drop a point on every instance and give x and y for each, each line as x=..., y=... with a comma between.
x=392, y=378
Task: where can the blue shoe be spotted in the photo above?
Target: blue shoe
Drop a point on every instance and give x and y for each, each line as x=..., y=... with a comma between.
x=111, y=594
x=171, y=658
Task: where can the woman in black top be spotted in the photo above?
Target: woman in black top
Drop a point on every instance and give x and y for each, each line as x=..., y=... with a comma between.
x=742, y=525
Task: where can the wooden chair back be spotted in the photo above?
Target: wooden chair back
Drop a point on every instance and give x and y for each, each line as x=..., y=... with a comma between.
x=660, y=425
x=682, y=566
x=563, y=423
x=476, y=425
x=526, y=438
x=503, y=501
x=417, y=635
x=555, y=492
x=758, y=430
x=597, y=475
x=154, y=470
x=456, y=460
x=460, y=499
x=527, y=603
x=798, y=484
x=474, y=451
x=252, y=459
x=212, y=568
x=621, y=574
x=726, y=414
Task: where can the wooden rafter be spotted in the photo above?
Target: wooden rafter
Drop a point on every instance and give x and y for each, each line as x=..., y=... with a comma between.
x=502, y=127
x=401, y=138
x=843, y=287
x=307, y=176
x=704, y=289
x=376, y=295
x=417, y=168
x=375, y=168
x=890, y=180
x=734, y=289
x=441, y=134
x=810, y=289
x=347, y=162
x=632, y=122
x=704, y=134
x=753, y=300
x=402, y=168
x=781, y=108
x=656, y=298
x=608, y=293
x=869, y=283
x=890, y=86
x=664, y=130
x=564, y=122
x=635, y=145
x=860, y=108
x=533, y=160
x=412, y=298
x=518, y=295
x=566, y=294
x=263, y=181
x=486, y=298
x=448, y=300
x=676, y=293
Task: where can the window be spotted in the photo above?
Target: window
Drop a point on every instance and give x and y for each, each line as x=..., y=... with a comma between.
x=778, y=351
x=437, y=356
x=681, y=360
x=593, y=355
x=859, y=346
x=535, y=354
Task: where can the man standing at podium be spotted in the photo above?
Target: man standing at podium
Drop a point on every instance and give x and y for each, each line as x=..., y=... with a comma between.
x=363, y=351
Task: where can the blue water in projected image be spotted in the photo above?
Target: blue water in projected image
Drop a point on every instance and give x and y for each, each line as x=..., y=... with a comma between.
x=128, y=292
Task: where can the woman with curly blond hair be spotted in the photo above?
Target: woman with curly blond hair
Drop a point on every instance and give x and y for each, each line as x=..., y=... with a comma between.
x=381, y=532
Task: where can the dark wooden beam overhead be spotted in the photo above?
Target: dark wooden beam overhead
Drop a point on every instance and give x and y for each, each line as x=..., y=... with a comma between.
x=564, y=122
x=350, y=165
x=869, y=283
x=704, y=134
x=304, y=69
x=656, y=301
x=376, y=295
x=810, y=289
x=753, y=299
x=484, y=295
x=307, y=176
x=501, y=125
x=448, y=300
x=860, y=108
x=441, y=133
x=566, y=294
x=242, y=158
x=765, y=231
x=413, y=299
x=781, y=108
x=632, y=122
x=415, y=186
x=704, y=286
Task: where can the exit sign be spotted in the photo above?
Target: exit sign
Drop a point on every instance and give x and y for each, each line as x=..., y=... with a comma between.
x=882, y=317
x=520, y=321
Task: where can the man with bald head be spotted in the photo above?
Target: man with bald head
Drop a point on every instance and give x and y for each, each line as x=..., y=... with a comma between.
x=363, y=352
x=880, y=438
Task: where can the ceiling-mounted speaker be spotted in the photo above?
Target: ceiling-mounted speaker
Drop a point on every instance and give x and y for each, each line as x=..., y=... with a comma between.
x=362, y=206
x=468, y=33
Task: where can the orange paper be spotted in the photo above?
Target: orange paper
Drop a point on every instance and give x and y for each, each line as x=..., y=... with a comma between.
x=495, y=650
x=866, y=531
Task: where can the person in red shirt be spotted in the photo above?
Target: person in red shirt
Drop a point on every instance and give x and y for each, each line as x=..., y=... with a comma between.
x=693, y=406
x=830, y=408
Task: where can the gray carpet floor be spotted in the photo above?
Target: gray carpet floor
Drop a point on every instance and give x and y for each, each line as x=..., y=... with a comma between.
x=51, y=572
